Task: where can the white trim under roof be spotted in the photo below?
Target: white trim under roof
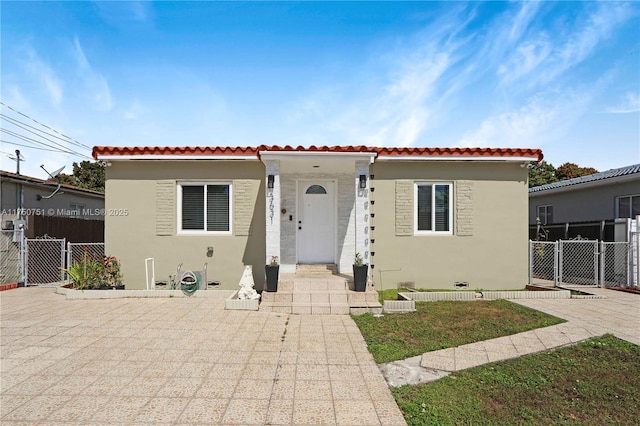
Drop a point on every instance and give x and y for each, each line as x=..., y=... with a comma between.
x=455, y=158
x=182, y=157
x=286, y=155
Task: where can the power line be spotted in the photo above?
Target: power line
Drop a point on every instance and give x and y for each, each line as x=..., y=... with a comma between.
x=45, y=138
x=30, y=140
x=15, y=123
x=44, y=125
x=26, y=146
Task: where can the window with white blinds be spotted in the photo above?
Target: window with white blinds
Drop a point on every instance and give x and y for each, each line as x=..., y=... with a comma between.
x=205, y=207
x=433, y=208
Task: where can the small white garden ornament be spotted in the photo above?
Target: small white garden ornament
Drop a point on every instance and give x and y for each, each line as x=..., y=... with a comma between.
x=247, y=290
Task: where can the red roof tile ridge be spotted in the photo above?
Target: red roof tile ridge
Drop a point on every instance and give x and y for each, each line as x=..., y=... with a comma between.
x=255, y=150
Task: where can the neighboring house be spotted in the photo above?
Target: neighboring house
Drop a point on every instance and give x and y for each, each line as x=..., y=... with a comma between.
x=430, y=217
x=69, y=201
x=605, y=196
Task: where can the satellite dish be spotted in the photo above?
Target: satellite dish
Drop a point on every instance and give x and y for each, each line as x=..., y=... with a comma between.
x=55, y=174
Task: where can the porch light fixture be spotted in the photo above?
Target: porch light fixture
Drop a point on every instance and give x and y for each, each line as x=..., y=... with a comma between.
x=363, y=181
x=270, y=180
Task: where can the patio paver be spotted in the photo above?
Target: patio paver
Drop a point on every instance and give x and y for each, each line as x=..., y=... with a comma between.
x=182, y=361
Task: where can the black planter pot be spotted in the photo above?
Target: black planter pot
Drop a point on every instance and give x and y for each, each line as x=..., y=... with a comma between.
x=360, y=277
x=272, y=277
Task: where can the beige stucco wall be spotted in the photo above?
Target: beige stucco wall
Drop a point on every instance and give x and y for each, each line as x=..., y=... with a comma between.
x=581, y=203
x=493, y=255
x=132, y=185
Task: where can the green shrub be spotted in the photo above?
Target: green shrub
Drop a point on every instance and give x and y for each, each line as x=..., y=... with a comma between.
x=91, y=272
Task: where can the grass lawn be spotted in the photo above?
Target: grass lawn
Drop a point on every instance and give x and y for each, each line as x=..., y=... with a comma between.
x=595, y=382
x=439, y=325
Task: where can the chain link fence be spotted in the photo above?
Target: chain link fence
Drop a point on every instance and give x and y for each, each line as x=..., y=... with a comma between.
x=76, y=251
x=614, y=264
x=543, y=270
x=45, y=261
x=12, y=256
x=584, y=263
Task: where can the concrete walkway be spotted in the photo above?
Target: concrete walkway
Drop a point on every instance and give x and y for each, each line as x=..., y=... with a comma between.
x=617, y=313
x=182, y=361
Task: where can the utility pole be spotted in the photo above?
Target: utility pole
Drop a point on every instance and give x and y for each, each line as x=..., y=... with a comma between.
x=21, y=195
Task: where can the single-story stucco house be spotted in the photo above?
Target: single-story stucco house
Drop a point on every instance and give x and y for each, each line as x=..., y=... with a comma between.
x=429, y=217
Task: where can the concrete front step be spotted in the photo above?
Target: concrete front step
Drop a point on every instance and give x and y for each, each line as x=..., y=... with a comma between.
x=328, y=269
x=312, y=285
x=321, y=294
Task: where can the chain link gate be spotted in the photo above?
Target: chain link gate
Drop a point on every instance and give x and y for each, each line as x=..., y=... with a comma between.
x=578, y=263
x=45, y=261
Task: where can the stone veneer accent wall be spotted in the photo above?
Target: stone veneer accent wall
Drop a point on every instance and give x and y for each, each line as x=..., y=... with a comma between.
x=464, y=208
x=165, y=207
x=404, y=207
x=243, y=200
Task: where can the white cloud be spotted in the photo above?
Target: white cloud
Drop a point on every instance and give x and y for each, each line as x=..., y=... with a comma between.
x=47, y=77
x=630, y=104
x=523, y=19
x=533, y=57
x=134, y=110
x=416, y=78
x=525, y=60
x=95, y=84
x=542, y=120
x=584, y=40
x=123, y=14
x=13, y=96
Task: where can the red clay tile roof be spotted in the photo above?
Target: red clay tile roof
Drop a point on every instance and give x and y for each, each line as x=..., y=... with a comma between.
x=255, y=150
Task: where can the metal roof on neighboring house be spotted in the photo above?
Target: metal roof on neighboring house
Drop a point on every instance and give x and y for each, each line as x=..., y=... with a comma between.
x=613, y=173
x=114, y=151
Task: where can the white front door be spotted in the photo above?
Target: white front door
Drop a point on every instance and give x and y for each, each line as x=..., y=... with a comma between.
x=316, y=222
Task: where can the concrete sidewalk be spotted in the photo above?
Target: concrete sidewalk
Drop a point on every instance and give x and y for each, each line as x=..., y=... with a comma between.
x=182, y=361
x=617, y=313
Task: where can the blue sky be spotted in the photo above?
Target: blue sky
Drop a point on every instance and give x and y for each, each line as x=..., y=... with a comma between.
x=563, y=77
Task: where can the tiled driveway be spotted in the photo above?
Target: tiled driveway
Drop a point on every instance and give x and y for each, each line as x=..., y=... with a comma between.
x=182, y=361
